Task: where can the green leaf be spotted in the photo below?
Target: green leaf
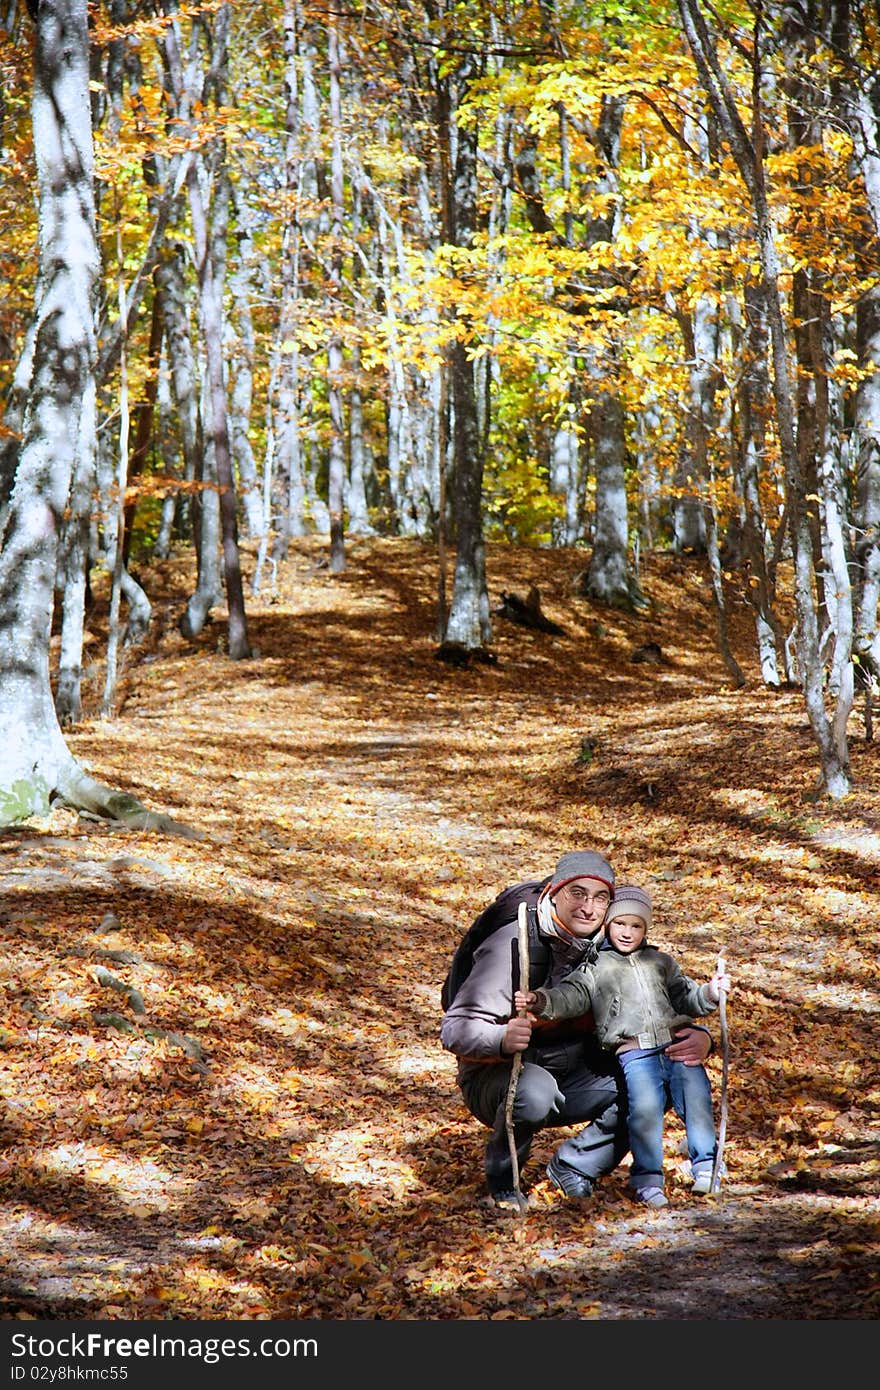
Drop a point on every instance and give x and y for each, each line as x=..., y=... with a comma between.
x=23, y=799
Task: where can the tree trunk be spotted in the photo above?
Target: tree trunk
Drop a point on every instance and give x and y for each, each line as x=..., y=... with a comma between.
x=336, y=465
x=287, y=464
x=732, y=666
x=689, y=516
x=566, y=479
x=831, y=743
x=389, y=241
x=34, y=760
x=211, y=308
x=36, y=765
x=117, y=505
x=143, y=420
x=209, y=248
x=752, y=397
x=359, y=523
x=182, y=379
x=699, y=341
x=608, y=578
x=242, y=371
x=312, y=215
x=72, y=569
x=859, y=97
x=867, y=447
x=468, y=623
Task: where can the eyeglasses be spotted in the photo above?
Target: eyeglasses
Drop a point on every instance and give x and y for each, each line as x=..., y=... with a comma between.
x=581, y=895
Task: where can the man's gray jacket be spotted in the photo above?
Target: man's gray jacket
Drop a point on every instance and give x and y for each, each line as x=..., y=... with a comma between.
x=474, y=1024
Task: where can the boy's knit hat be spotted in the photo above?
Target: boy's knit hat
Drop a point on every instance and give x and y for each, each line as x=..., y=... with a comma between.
x=630, y=901
x=580, y=863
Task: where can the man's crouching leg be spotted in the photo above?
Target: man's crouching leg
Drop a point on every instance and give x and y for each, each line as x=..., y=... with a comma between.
x=536, y=1104
x=600, y=1145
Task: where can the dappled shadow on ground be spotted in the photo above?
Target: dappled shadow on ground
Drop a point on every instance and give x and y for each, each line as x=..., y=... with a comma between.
x=309, y=1155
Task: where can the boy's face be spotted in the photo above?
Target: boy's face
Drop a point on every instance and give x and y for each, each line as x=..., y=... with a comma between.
x=626, y=932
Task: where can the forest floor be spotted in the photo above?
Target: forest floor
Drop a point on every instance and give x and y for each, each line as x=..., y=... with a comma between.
x=223, y=1091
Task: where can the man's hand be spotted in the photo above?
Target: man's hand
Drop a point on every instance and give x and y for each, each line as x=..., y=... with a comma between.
x=691, y=1046
x=517, y=1035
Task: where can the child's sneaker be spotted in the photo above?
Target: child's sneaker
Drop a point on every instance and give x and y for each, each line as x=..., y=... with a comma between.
x=702, y=1183
x=651, y=1196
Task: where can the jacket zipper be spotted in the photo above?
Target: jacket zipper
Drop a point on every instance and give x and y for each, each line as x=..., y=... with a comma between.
x=645, y=995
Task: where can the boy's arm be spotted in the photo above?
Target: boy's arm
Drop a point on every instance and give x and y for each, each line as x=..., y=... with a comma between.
x=692, y=1046
x=719, y=983
x=688, y=997
x=569, y=999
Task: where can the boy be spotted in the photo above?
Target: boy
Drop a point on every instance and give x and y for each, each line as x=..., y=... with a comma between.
x=638, y=997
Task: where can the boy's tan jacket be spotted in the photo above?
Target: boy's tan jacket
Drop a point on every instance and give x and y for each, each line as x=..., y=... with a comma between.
x=638, y=999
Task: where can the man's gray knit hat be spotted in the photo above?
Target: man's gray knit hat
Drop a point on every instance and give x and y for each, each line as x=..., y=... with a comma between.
x=630, y=901
x=581, y=863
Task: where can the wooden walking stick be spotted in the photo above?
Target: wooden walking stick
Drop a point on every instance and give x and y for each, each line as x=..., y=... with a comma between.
x=523, y=942
x=715, y=1185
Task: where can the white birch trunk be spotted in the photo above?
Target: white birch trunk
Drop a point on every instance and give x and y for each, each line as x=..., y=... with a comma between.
x=73, y=561
x=359, y=523
x=183, y=381
x=241, y=349
x=336, y=462
x=867, y=446
x=35, y=762
x=565, y=481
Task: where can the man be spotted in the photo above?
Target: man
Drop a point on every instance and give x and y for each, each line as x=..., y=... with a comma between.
x=565, y=1078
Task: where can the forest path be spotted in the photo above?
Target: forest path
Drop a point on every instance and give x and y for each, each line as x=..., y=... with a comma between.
x=309, y=1155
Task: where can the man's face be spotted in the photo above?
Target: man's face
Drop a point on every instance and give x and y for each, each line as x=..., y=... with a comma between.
x=581, y=905
x=627, y=932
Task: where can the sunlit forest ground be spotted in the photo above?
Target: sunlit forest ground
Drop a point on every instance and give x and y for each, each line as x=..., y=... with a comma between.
x=223, y=1091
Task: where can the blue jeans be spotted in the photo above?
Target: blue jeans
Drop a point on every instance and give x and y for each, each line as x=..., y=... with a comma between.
x=653, y=1084
x=559, y=1085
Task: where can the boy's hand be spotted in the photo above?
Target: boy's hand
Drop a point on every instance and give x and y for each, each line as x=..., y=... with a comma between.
x=719, y=981
x=523, y=1001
